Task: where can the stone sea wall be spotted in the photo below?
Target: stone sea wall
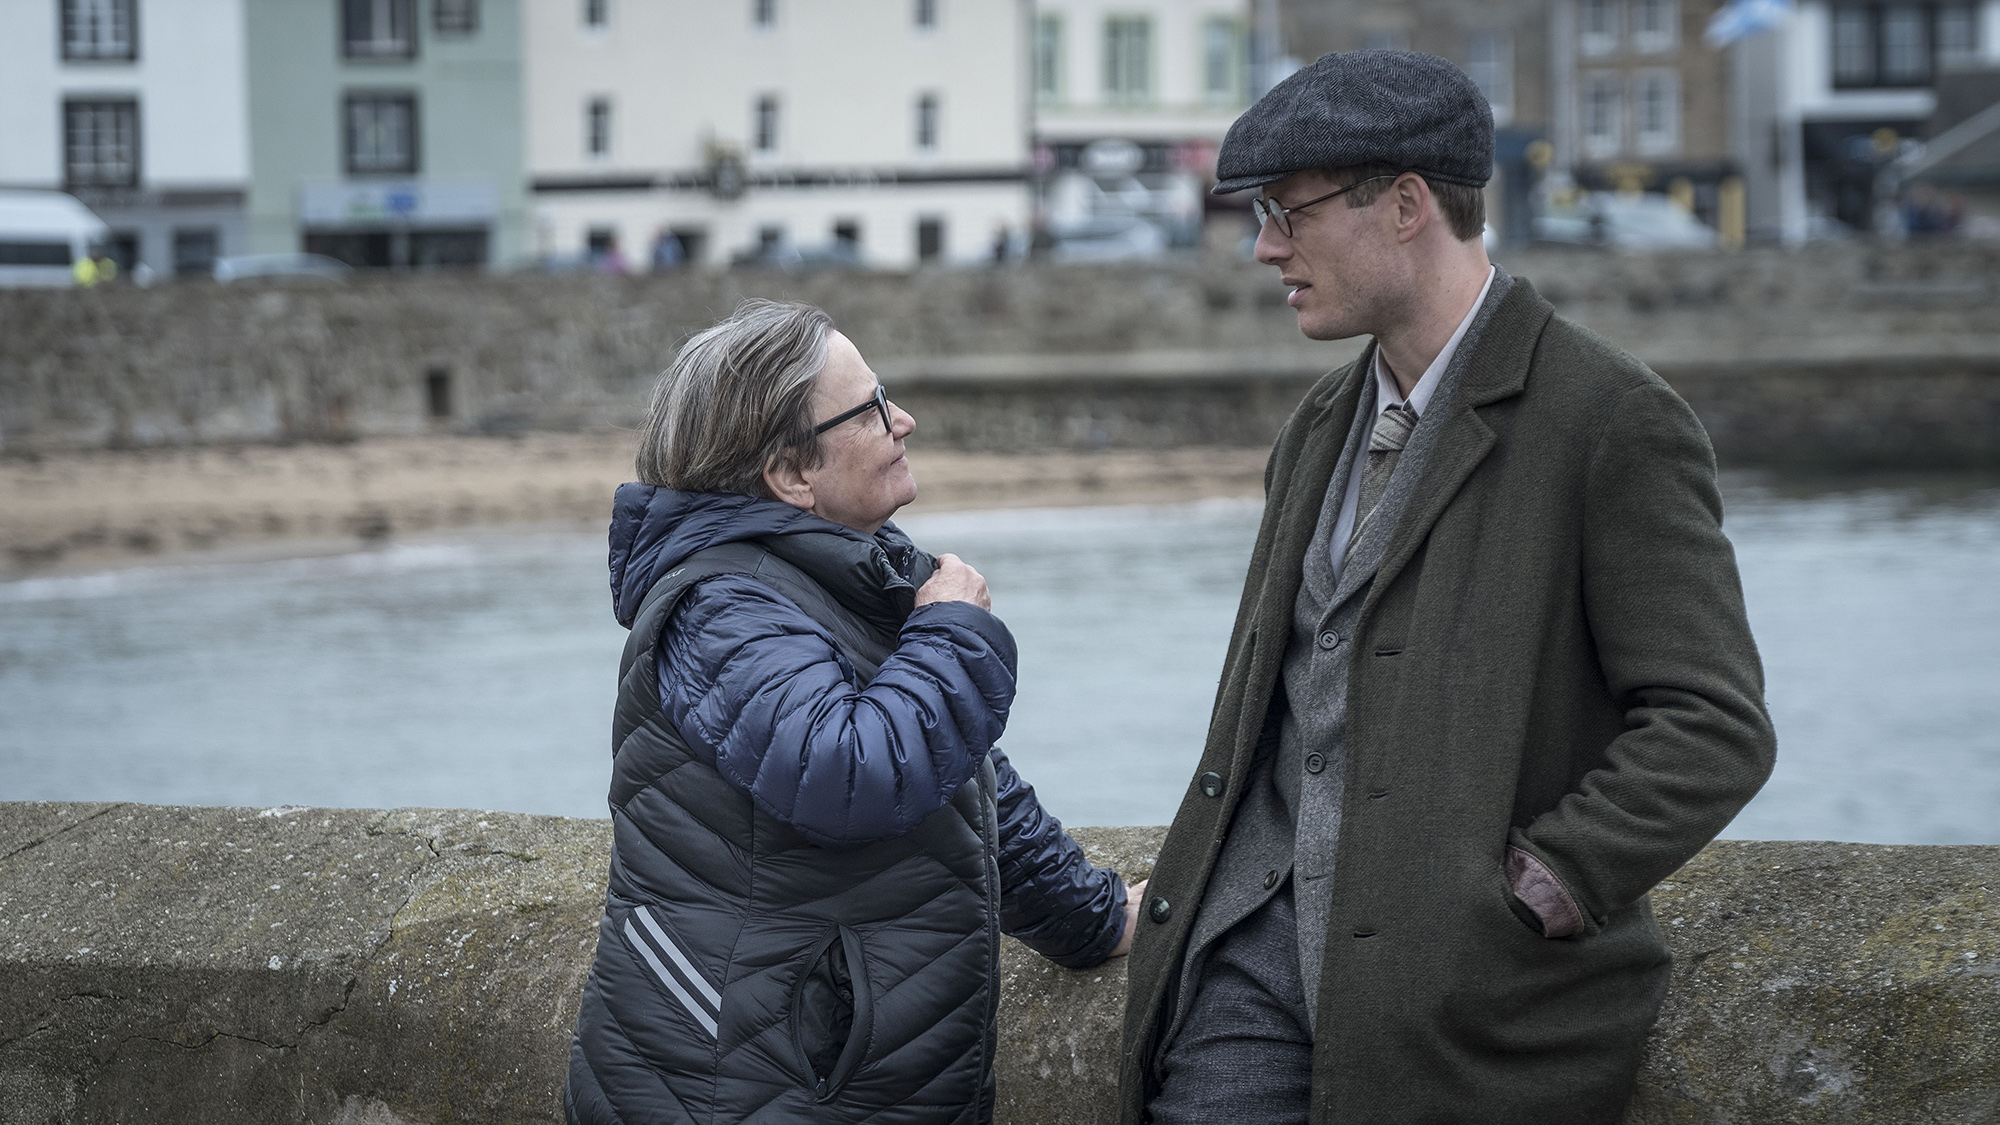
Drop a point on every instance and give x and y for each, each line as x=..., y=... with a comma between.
x=357, y=967
x=1843, y=355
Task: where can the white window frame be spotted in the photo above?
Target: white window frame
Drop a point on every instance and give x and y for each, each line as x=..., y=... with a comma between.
x=100, y=30
x=1599, y=40
x=1656, y=40
x=1128, y=70
x=1663, y=83
x=1224, y=61
x=1048, y=58
x=929, y=122
x=1600, y=144
x=1489, y=62
x=392, y=30
x=367, y=130
x=101, y=142
x=597, y=128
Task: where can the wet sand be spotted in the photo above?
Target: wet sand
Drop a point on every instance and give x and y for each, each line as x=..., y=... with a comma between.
x=86, y=509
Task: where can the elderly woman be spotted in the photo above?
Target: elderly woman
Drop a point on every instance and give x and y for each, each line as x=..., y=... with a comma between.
x=817, y=842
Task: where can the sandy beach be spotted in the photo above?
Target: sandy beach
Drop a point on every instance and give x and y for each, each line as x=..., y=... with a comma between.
x=78, y=510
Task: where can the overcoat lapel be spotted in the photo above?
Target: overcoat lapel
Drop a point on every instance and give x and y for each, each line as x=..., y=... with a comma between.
x=1498, y=370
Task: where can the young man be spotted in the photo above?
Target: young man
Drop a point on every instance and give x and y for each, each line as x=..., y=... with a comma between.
x=1490, y=680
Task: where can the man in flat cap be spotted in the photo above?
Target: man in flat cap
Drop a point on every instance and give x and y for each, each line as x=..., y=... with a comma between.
x=1490, y=680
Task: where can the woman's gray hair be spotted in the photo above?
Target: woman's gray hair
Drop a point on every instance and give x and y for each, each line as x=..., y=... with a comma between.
x=737, y=397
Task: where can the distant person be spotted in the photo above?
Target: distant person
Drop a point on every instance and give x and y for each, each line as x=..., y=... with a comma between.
x=610, y=259
x=1003, y=241
x=668, y=253
x=817, y=843
x=1491, y=680
x=95, y=268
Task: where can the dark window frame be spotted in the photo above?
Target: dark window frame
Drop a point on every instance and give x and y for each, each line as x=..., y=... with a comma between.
x=349, y=41
x=65, y=17
x=925, y=17
x=73, y=106
x=456, y=18
x=348, y=101
x=596, y=13
x=597, y=127
x=930, y=115
x=1876, y=17
x=766, y=122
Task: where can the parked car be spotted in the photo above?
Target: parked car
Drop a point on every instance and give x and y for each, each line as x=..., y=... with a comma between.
x=43, y=234
x=1108, y=238
x=1626, y=222
x=317, y=266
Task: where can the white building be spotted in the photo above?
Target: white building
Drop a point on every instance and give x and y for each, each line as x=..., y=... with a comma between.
x=1833, y=93
x=1131, y=101
x=892, y=131
x=136, y=107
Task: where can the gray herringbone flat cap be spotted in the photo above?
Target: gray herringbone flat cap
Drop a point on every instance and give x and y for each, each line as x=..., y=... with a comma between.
x=1401, y=108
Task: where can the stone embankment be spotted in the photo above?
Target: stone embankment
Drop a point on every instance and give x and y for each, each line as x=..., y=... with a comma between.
x=1850, y=356
x=345, y=967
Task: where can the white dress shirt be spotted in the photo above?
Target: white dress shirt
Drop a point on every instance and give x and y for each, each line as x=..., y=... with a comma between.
x=1388, y=394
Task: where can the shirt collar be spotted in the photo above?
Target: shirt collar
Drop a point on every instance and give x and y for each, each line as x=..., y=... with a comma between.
x=1387, y=394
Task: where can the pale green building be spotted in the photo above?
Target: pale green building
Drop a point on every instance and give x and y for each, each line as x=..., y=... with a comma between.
x=387, y=133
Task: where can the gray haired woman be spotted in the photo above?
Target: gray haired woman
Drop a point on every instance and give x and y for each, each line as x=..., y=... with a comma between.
x=817, y=842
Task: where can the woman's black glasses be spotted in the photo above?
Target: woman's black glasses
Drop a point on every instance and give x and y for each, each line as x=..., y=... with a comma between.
x=880, y=404
x=1271, y=210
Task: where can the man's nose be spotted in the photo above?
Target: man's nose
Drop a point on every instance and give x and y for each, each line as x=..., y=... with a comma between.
x=901, y=422
x=1272, y=247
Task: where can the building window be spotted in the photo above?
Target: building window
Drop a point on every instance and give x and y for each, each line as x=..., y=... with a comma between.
x=1656, y=112
x=195, y=250
x=1655, y=26
x=101, y=143
x=1128, y=59
x=1223, y=63
x=1489, y=61
x=764, y=13
x=847, y=236
x=100, y=29
x=765, y=126
x=455, y=17
x=1048, y=58
x=1900, y=44
x=930, y=239
x=1597, y=31
x=381, y=133
x=927, y=122
x=1603, y=116
x=378, y=29
x=1385, y=39
x=597, y=127
x=596, y=13
x=926, y=13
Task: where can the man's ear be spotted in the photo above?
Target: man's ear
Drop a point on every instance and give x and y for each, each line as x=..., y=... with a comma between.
x=1414, y=205
x=787, y=482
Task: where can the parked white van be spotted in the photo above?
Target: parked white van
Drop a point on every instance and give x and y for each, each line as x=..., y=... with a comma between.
x=42, y=236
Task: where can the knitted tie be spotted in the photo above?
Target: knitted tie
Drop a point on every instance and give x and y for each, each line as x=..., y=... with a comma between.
x=1392, y=433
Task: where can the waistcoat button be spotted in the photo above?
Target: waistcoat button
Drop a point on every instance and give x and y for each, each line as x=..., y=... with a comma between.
x=1211, y=784
x=1315, y=762
x=1329, y=639
x=1161, y=909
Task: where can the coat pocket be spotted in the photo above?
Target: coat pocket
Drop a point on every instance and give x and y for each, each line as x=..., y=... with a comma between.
x=673, y=968
x=832, y=1012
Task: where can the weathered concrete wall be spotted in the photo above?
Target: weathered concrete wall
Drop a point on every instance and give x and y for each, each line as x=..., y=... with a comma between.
x=1791, y=353
x=344, y=967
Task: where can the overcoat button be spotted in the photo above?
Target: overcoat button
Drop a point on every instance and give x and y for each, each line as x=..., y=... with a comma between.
x=1329, y=639
x=1270, y=879
x=1211, y=784
x=1315, y=762
x=1161, y=909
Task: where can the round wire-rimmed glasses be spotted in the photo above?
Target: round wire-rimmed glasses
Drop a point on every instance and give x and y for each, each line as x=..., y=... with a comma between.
x=880, y=404
x=1270, y=210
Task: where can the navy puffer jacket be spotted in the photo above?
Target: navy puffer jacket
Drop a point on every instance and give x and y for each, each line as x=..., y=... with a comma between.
x=817, y=842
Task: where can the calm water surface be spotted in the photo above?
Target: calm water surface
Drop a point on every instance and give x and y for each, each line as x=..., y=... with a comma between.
x=477, y=671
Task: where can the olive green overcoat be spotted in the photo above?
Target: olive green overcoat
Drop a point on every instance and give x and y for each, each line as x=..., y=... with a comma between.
x=1553, y=654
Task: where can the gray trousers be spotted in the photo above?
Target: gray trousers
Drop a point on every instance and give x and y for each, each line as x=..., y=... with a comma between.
x=1244, y=1054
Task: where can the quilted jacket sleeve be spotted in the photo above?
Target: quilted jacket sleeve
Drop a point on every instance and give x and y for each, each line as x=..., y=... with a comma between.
x=747, y=677
x=1051, y=897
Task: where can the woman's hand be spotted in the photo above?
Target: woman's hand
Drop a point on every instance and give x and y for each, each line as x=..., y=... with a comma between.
x=955, y=582
x=1134, y=895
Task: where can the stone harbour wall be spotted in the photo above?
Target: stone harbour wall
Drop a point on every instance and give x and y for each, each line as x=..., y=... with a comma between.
x=422, y=966
x=1848, y=356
